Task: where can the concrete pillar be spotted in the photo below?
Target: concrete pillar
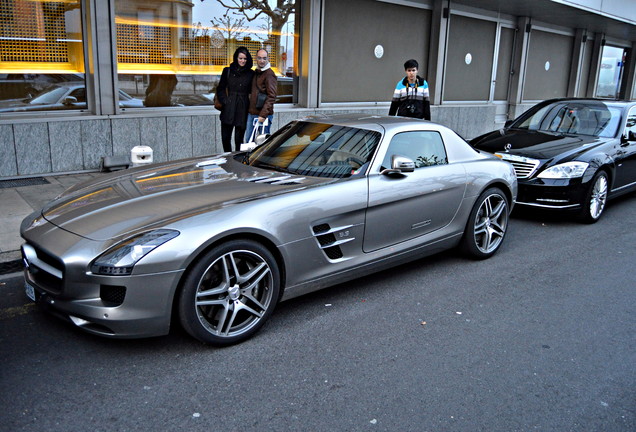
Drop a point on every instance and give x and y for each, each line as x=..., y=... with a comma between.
x=578, y=54
x=102, y=61
x=437, y=49
x=629, y=75
x=311, y=49
x=519, y=60
x=597, y=51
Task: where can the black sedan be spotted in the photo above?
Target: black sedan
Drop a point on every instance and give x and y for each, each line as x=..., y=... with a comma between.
x=569, y=154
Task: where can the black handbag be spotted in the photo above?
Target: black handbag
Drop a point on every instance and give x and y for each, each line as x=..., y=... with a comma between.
x=260, y=100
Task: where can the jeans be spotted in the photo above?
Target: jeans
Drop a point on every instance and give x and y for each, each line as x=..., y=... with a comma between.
x=250, y=125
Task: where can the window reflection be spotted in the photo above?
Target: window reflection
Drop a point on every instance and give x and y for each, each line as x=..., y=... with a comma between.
x=179, y=48
x=423, y=148
x=41, y=49
x=611, y=72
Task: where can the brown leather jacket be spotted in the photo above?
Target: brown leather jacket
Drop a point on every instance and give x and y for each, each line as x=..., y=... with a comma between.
x=264, y=81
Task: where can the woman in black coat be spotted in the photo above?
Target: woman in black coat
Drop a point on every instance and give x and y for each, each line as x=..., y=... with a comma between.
x=233, y=92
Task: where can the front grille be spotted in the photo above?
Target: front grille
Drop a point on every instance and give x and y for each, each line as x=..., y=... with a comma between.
x=524, y=167
x=45, y=270
x=524, y=170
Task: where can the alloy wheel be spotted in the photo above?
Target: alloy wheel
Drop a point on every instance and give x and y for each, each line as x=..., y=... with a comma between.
x=234, y=293
x=491, y=222
x=598, y=197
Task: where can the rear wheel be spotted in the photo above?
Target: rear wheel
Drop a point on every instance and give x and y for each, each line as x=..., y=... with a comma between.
x=595, y=198
x=487, y=225
x=229, y=294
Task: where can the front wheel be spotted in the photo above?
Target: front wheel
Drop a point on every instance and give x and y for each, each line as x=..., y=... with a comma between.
x=595, y=198
x=229, y=293
x=487, y=225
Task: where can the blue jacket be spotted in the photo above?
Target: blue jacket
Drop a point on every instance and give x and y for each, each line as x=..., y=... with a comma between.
x=411, y=101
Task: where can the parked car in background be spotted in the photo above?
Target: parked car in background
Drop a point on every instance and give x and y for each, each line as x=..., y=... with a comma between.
x=62, y=96
x=24, y=86
x=569, y=154
x=217, y=241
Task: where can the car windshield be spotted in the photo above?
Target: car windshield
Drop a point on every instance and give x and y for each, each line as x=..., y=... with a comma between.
x=571, y=117
x=49, y=96
x=317, y=149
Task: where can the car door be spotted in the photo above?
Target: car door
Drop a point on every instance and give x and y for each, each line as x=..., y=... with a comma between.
x=403, y=207
x=626, y=154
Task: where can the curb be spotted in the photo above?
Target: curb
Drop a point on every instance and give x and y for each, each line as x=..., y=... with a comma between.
x=9, y=267
x=10, y=262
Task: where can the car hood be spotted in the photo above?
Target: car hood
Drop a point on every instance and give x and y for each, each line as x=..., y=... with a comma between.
x=535, y=144
x=124, y=202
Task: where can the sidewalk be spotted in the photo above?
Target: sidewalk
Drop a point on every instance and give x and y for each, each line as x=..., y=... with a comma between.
x=18, y=199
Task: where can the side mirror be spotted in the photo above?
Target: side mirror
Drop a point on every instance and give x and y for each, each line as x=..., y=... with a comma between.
x=508, y=123
x=69, y=100
x=628, y=137
x=399, y=165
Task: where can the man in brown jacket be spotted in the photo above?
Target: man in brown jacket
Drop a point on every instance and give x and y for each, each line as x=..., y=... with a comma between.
x=263, y=95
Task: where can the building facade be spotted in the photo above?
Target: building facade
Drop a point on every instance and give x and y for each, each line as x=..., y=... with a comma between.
x=75, y=75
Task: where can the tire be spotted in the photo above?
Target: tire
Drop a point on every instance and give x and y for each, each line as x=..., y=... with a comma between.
x=229, y=293
x=487, y=225
x=595, y=200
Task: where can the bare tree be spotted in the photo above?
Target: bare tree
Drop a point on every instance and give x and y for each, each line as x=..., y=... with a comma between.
x=253, y=9
x=228, y=26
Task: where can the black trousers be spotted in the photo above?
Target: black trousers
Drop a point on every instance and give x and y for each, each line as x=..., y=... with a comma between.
x=226, y=137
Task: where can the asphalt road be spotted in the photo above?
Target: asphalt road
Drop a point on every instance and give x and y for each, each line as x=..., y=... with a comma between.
x=540, y=337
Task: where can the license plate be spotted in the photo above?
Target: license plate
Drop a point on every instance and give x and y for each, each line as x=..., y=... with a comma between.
x=30, y=291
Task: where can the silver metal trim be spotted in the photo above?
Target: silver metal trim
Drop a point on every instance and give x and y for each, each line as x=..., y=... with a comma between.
x=623, y=187
x=547, y=206
x=333, y=230
x=337, y=243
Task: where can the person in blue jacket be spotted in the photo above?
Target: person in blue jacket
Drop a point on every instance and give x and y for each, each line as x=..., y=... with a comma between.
x=411, y=98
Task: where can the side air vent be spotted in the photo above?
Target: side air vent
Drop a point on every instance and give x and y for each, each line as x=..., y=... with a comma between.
x=329, y=239
x=112, y=295
x=278, y=180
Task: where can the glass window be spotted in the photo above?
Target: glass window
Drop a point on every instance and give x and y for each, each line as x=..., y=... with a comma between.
x=172, y=53
x=41, y=54
x=425, y=148
x=585, y=118
x=317, y=149
x=610, y=73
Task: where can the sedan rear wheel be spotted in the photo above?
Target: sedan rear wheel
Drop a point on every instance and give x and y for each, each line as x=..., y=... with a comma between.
x=595, y=199
x=487, y=225
x=230, y=293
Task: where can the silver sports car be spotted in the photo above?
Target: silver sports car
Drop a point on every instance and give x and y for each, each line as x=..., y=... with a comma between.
x=216, y=242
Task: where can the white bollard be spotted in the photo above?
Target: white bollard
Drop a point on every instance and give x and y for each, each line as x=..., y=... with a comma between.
x=141, y=155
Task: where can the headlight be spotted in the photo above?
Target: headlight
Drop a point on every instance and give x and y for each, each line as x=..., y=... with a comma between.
x=120, y=259
x=565, y=170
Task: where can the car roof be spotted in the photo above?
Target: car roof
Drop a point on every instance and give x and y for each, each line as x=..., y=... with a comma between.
x=364, y=120
x=622, y=102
